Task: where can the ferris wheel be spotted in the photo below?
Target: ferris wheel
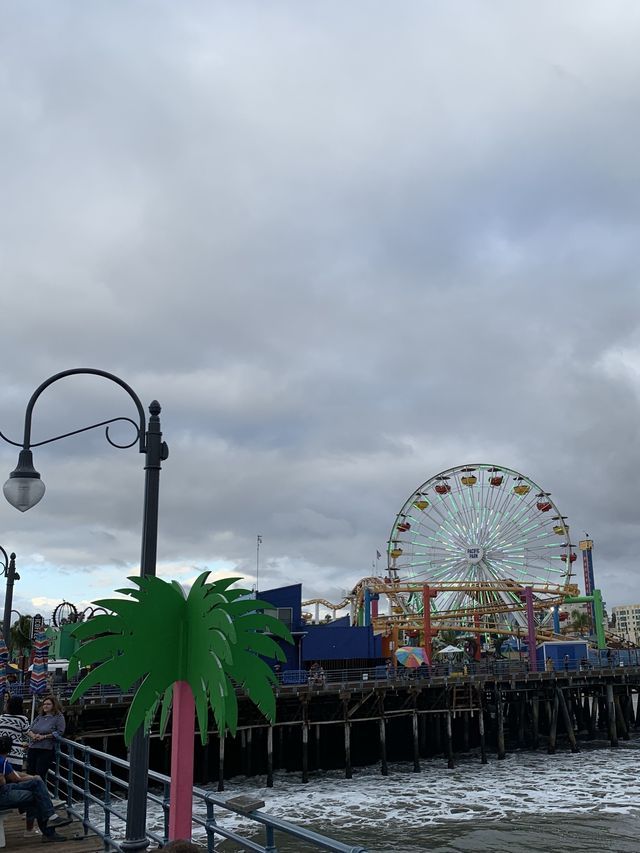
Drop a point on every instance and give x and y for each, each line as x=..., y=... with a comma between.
x=481, y=533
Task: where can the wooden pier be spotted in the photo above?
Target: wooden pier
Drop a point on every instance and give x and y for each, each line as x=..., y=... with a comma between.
x=363, y=721
x=14, y=828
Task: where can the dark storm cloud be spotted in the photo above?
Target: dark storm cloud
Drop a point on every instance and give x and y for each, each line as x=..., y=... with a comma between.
x=346, y=247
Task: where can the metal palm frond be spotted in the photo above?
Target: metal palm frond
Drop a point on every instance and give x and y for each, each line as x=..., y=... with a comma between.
x=213, y=639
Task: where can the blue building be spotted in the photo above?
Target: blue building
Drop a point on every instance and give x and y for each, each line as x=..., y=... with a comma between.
x=334, y=645
x=561, y=652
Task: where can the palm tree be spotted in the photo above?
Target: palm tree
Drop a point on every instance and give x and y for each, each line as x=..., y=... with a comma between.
x=449, y=638
x=204, y=645
x=498, y=641
x=21, y=635
x=580, y=622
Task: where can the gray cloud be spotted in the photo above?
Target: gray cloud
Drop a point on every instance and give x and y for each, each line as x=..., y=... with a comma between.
x=345, y=248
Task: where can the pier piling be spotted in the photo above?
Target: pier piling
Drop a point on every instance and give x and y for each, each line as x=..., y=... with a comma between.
x=535, y=722
x=384, y=767
x=500, y=725
x=553, y=725
x=621, y=724
x=566, y=716
x=270, y=757
x=450, y=763
x=483, y=746
x=611, y=716
x=416, y=743
x=305, y=751
x=348, y=773
x=221, y=764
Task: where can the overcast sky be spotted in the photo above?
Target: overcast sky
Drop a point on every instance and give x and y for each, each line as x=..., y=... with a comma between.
x=345, y=245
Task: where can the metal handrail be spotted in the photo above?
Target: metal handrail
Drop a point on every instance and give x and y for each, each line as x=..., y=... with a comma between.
x=85, y=779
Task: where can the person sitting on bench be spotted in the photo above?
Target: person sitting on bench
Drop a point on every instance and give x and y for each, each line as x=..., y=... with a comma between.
x=28, y=793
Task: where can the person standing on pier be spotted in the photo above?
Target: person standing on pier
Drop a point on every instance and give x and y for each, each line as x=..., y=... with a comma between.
x=46, y=727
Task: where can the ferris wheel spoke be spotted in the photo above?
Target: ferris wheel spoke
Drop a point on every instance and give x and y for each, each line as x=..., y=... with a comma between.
x=466, y=510
x=487, y=500
x=443, y=534
x=515, y=522
x=446, y=527
x=458, y=516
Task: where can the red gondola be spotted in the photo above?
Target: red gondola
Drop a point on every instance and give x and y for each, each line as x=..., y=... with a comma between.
x=443, y=488
x=572, y=557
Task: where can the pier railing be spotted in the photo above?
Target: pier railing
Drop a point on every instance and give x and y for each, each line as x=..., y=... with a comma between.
x=94, y=787
x=331, y=679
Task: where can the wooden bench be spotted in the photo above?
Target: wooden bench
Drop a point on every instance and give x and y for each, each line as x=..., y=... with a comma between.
x=4, y=814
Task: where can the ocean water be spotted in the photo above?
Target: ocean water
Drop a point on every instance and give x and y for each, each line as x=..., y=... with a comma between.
x=528, y=803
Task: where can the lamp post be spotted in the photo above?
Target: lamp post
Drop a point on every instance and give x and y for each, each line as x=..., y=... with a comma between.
x=9, y=572
x=24, y=489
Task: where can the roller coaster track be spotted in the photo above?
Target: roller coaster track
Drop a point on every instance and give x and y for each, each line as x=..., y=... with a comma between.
x=344, y=603
x=407, y=616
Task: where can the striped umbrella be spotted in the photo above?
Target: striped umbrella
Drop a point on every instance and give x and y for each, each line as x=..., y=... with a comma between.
x=411, y=656
x=38, y=683
x=4, y=660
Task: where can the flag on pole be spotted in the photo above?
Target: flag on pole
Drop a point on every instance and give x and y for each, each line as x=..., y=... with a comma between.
x=38, y=683
x=378, y=555
x=4, y=660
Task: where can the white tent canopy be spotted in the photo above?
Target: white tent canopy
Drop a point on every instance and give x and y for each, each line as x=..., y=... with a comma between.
x=450, y=650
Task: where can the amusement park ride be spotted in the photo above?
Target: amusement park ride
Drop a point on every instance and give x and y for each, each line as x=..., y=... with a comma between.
x=481, y=551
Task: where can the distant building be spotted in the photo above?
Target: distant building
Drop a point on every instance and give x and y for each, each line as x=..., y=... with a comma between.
x=627, y=618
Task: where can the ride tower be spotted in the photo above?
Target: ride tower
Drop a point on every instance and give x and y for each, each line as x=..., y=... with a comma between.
x=586, y=546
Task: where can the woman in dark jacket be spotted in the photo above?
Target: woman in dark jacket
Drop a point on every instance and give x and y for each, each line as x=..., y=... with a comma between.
x=41, y=737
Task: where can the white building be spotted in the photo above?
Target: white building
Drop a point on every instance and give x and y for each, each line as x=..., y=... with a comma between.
x=628, y=622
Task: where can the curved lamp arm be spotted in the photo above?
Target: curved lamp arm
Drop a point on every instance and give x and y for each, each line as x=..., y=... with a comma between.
x=26, y=443
x=24, y=488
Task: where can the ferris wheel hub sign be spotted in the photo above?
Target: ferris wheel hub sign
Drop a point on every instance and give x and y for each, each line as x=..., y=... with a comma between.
x=474, y=554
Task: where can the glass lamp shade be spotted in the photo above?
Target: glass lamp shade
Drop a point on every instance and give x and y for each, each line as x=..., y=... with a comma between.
x=23, y=492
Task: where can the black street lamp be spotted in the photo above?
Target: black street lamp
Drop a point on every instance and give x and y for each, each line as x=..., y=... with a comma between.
x=25, y=488
x=9, y=572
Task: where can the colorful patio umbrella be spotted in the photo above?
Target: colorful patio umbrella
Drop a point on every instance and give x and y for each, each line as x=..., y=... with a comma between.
x=411, y=656
x=4, y=660
x=38, y=683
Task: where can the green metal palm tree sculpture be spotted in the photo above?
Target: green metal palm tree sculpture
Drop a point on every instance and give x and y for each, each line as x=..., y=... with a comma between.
x=205, y=644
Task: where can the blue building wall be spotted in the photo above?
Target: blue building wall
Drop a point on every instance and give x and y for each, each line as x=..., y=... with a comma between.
x=338, y=642
x=575, y=649
x=284, y=597
x=334, y=641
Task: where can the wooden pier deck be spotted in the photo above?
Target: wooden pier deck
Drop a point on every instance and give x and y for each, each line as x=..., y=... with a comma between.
x=77, y=842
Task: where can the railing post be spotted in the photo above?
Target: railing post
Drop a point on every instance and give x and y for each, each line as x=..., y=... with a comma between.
x=210, y=827
x=72, y=755
x=86, y=783
x=56, y=784
x=166, y=807
x=107, y=797
x=270, y=846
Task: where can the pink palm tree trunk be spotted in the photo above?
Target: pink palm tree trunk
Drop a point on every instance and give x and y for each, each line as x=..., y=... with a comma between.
x=182, y=729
